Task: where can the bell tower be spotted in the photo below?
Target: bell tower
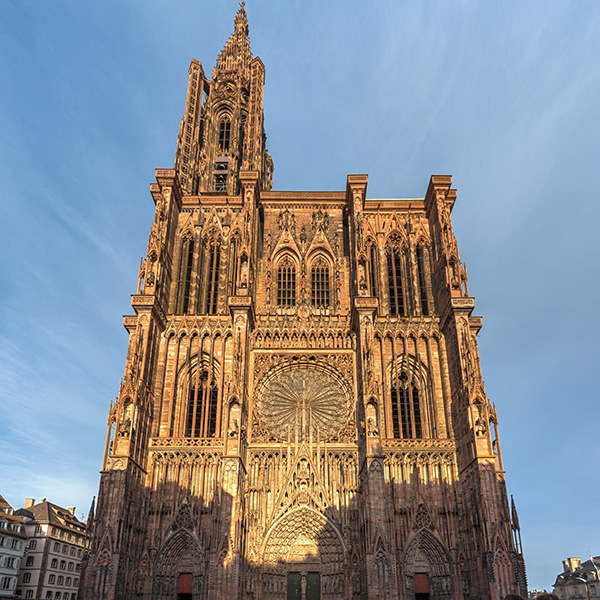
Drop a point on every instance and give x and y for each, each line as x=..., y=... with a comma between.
x=222, y=131
x=302, y=413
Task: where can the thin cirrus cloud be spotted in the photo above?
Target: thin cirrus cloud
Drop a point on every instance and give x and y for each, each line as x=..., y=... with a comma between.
x=503, y=96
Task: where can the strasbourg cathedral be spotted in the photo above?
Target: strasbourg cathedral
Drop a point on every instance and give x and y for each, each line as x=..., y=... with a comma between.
x=302, y=414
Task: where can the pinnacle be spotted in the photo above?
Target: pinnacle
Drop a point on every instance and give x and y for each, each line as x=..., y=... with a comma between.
x=241, y=20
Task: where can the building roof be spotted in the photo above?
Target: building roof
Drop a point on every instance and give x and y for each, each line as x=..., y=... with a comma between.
x=588, y=570
x=46, y=512
x=6, y=512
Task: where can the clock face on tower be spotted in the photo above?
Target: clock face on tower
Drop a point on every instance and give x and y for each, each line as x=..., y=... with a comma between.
x=303, y=401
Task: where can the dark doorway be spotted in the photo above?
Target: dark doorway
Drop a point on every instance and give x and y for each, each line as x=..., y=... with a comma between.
x=294, y=586
x=184, y=586
x=422, y=586
x=313, y=586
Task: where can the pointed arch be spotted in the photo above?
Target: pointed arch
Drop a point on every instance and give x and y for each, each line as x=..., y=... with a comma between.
x=304, y=535
x=425, y=555
x=180, y=555
x=320, y=279
x=396, y=274
x=286, y=265
x=211, y=267
x=409, y=396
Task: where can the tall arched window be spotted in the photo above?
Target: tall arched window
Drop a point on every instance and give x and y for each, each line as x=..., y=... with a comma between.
x=406, y=407
x=224, y=133
x=233, y=269
x=286, y=283
x=201, y=417
x=185, y=277
x=395, y=282
x=319, y=276
x=422, y=281
x=373, y=271
x=210, y=288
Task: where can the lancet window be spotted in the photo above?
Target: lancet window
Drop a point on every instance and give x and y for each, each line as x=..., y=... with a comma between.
x=286, y=283
x=319, y=275
x=210, y=284
x=406, y=403
x=234, y=260
x=185, y=278
x=420, y=255
x=224, y=133
x=373, y=271
x=201, y=417
x=395, y=260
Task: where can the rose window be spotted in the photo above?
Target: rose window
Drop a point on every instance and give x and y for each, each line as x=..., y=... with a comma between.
x=303, y=400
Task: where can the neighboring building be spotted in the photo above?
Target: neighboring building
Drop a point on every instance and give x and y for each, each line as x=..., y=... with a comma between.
x=12, y=548
x=302, y=413
x=579, y=580
x=55, y=549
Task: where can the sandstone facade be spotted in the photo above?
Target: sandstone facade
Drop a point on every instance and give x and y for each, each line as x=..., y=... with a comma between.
x=302, y=413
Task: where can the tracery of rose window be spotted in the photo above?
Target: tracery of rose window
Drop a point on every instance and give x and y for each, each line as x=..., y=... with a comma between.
x=301, y=401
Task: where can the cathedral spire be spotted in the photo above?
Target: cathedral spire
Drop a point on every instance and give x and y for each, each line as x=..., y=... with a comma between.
x=236, y=54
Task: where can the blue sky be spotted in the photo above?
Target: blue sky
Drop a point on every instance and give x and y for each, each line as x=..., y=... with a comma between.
x=502, y=95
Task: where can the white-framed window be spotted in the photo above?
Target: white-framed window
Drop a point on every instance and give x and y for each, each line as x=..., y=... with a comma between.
x=29, y=594
x=32, y=544
x=26, y=577
x=5, y=583
x=48, y=595
x=56, y=547
x=51, y=579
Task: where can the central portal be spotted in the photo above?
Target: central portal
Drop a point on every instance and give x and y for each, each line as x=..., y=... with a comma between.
x=303, y=586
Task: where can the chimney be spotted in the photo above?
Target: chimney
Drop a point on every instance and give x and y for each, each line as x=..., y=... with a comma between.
x=42, y=500
x=571, y=564
x=29, y=502
x=71, y=509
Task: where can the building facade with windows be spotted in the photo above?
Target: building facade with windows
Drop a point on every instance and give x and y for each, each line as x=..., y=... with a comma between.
x=56, y=543
x=302, y=413
x=579, y=579
x=12, y=548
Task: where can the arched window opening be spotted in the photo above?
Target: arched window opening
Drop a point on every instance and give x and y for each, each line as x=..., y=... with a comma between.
x=224, y=134
x=422, y=280
x=286, y=283
x=319, y=275
x=406, y=408
x=395, y=287
x=373, y=270
x=187, y=262
x=233, y=275
x=212, y=262
x=201, y=418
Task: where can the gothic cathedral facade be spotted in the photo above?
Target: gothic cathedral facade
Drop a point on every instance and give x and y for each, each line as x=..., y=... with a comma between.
x=302, y=414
